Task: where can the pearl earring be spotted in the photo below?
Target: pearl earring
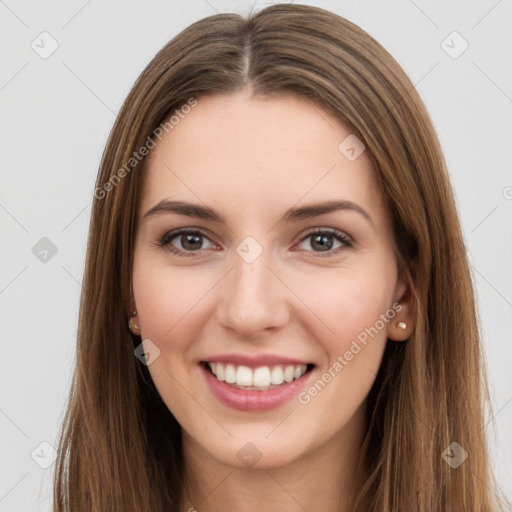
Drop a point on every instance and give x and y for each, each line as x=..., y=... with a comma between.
x=133, y=325
x=402, y=325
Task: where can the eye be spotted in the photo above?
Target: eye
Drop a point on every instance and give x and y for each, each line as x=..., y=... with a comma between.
x=185, y=241
x=324, y=240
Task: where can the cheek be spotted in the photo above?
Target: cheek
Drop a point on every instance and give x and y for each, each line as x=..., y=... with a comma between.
x=168, y=305
x=354, y=306
x=348, y=302
x=167, y=298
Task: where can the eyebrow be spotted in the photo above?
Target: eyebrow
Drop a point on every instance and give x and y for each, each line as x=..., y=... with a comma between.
x=291, y=215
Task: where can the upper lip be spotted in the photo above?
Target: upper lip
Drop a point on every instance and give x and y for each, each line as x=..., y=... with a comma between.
x=255, y=361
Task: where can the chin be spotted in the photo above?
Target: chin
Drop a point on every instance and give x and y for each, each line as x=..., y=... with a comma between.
x=247, y=451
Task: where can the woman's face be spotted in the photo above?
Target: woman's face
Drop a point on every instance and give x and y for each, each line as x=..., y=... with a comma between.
x=238, y=264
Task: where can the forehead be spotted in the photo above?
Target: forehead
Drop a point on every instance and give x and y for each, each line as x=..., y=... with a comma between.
x=241, y=153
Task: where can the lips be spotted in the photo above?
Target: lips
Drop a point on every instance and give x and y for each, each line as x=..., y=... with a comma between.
x=255, y=383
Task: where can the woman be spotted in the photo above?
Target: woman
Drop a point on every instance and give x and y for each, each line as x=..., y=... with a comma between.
x=277, y=309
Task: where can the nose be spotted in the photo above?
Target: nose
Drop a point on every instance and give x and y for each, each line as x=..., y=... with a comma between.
x=253, y=298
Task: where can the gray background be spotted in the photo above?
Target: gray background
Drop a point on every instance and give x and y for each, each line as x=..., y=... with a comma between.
x=57, y=113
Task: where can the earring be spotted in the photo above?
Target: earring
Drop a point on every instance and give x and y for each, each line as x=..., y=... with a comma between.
x=402, y=325
x=132, y=325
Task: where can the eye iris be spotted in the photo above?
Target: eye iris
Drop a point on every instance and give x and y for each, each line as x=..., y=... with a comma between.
x=191, y=241
x=324, y=242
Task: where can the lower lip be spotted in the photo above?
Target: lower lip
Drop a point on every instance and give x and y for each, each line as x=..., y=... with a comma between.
x=246, y=400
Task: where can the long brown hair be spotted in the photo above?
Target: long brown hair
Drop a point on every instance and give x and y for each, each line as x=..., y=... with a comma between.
x=120, y=447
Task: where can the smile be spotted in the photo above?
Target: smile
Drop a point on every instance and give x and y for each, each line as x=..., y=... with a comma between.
x=261, y=378
x=257, y=387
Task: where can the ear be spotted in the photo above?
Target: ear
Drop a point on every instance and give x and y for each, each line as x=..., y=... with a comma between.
x=132, y=316
x=129, y=301
x=402, y=325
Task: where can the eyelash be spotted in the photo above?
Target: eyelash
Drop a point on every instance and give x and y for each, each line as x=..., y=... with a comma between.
x=346, y=241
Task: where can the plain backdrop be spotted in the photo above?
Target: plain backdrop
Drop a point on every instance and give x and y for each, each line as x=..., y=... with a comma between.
x=57, y=111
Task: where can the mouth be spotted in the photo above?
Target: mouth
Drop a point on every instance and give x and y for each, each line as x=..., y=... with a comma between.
x=258, y=379
x=261, y=378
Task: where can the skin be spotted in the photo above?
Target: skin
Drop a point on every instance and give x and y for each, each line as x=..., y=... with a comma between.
x=251, y=159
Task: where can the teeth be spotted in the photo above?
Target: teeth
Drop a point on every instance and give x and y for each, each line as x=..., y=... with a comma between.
x=277, y=375
x=229, y=374
x=288, y=373
x=244, y=376
x=260, y=378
